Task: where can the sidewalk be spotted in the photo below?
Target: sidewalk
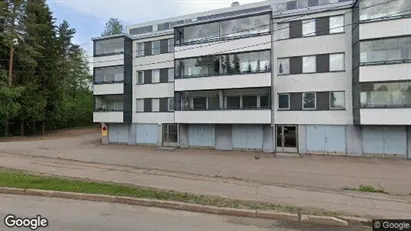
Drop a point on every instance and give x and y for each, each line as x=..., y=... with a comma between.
x=315, y=172
x=362, y=204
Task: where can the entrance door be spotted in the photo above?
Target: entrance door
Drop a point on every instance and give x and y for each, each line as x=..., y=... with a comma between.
x=286, y=138
x=170, y=135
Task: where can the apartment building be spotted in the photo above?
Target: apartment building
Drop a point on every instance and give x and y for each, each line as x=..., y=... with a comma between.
x=302, y=76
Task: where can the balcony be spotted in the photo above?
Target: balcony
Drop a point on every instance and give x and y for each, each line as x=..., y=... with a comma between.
x=108, y=109
x=108, y=52
x=246, y=106
x=238, y=70
x=109, y=80
x=385, y=116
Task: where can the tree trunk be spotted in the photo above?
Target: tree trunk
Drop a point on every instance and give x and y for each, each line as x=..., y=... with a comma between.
x=6, y=128
x=22, y=127
x=43, y=127
x=11, y=66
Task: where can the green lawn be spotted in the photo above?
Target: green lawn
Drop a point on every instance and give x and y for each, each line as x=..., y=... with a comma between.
x=23, y=180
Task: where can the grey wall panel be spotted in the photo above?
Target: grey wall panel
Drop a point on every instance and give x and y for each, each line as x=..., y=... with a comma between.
x=296, y=102
x=322, y=101
x=147, y=48
x=200, y=135
x=128, y=81
x=296, y=29
x=164, y=75
x=302, y=140
x=296, y=65
x=148, y=76
x=354, y=144
x=147, y=105
x=183, y=135
x=322, y=26
x=223, y=136
x=163, y=104
x=249, y=137
x=163, y=46
x=323, y=63
x=268, y=143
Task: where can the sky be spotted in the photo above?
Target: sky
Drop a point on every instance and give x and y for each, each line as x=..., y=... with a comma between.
x=88, y=17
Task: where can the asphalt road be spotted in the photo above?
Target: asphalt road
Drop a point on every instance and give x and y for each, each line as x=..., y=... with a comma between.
x=65, y=214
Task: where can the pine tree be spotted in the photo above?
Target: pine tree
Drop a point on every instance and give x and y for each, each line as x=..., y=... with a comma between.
x=236, y=62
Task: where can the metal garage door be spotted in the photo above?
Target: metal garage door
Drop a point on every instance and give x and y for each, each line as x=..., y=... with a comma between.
x=201, y=135
x=118, y=133
x=384, y=140
x=248, y=137
x=147, y=133
x=326, y=139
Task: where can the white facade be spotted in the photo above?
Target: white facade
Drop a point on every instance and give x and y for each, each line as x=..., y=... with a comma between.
x=224, y=117
x=108, y=89
x=108, y=117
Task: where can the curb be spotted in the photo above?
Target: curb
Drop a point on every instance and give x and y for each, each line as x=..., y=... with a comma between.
x=343, y=221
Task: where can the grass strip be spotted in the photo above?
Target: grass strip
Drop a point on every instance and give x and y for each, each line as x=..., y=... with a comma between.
x=16, y=179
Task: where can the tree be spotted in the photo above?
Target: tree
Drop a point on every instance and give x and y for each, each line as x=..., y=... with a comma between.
x=236, y=62
x=249, y=68
x=280, y=68
x=258, y=68
x=113, y=26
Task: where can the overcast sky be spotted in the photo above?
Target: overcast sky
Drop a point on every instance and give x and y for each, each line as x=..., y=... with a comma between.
x=88, y=17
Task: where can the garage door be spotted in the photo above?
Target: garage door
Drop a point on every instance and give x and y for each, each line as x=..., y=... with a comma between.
x=147, y=133
x=201, y=136
x=326, y=139
x=248, y=137
x=384, y=140
x=118, y=133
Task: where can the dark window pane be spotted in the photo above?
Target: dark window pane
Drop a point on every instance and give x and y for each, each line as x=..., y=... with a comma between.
x=249, y=101
x=164, y=104
x=163, y=75
x=233, y=102
x=264, y=101
x=147, y=76
x=200, y=103
x=213, y=102
x=283, y=101
x=147, y=105
x=291, y=5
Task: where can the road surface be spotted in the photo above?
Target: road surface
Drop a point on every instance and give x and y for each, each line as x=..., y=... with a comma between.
x=75, y=215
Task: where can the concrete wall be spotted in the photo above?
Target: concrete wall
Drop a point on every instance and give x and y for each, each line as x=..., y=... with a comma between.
x=224, y=117
x=108, y=89
x=152, y=62
x=382, y=116
x=132, y=134
x=409, y=141
x=268, y=143
x=224, y=82
x=153, y=117
x=108, y=117
x=385, y=72
x=302, y=142
x=183, y=135
x=382, y=29
x=354, y=140
x=223, y=137
x=221, y=47
x=110, y=60
x=337, y=117
x=157, y=90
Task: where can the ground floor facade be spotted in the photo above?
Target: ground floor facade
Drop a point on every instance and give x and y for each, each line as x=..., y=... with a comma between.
x=303, y=139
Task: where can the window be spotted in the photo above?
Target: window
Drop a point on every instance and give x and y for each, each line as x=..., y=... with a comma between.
x=170, y=45
x=283, y=66
x=200, y=103
x=233, y=102
x=374, y=9
x=170, y=104
x=171, y=74
x=213, y=102
x=140, y=105
x=140, y=77
x=391, y=94
x=302, y=4
x=337, y=24
x=284, y=101
x=250, y=62
x=247, y=26
x=109, y=46
x=309, y=100
x=337, y=62
x=163, y=26
x=265, y=101
x=385, y=50
x=201, y=33
x=109, y=74
x=309, y=27
x=156, y=76
x=140, y=49
x=109, y=103
x=155, y=47
x=309, y=64
x=283, y=31
x=337, y=100
x=249, y=102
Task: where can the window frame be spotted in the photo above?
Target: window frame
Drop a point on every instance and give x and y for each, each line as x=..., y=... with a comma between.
x=153, y=49
x=315, y=101
x=329, y=99
x=305, y=24
x=289, y=103
x=140, y=53
x=138, y=82
x=330, y=28
x=278, y=66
